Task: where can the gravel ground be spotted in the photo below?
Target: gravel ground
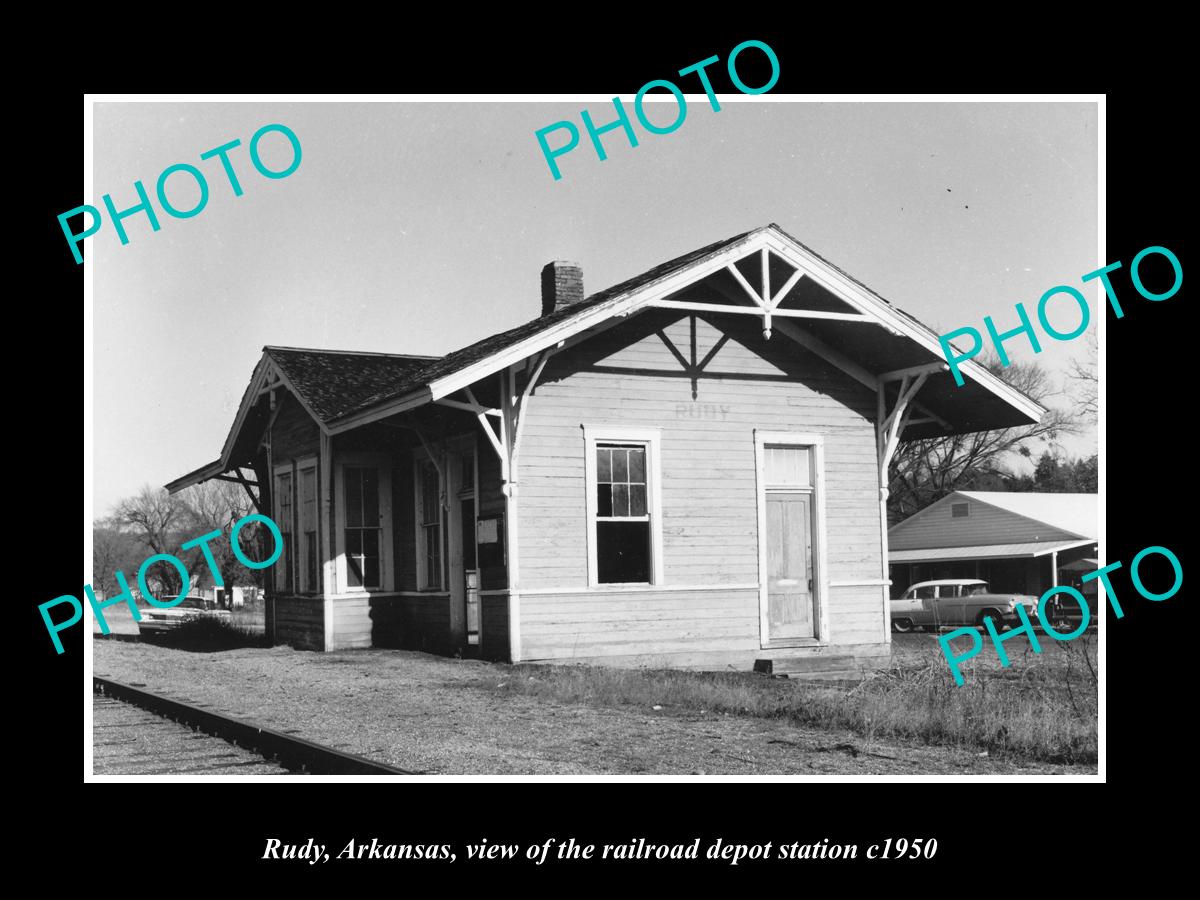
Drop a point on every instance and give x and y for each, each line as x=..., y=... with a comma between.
x=438, y=715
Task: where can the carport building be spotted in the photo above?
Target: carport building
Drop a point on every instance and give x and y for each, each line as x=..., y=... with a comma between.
x=1019, y=542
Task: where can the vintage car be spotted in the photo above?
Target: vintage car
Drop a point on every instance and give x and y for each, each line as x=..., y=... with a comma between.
x=955, y=602
x=156, y=620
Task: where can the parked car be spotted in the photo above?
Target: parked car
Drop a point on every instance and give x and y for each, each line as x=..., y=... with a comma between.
x=955, y=602
x=156, y=620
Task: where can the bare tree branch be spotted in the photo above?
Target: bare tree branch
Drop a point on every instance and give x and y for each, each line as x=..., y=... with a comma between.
x=154, y=518
x=923, y=471
x=1084, y=374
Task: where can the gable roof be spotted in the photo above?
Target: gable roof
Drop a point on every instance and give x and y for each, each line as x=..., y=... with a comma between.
x=984, y=401
x=1076, y=513
x=488, y=346
x=1015, y=523
x=344, y=390
x=333, y=381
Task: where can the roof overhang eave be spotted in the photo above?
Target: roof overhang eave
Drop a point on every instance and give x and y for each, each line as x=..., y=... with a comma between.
x=405, y=403
x=196, y=476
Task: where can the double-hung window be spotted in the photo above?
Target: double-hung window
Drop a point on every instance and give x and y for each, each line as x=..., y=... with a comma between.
x=625, y=531
x=284, y=507
x=310, y=581
x=429, y=526
x=362, y=529
x=364, y=535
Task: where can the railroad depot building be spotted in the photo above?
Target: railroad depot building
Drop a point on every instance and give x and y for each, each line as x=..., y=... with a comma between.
x=1020, y=542
x=685, y=469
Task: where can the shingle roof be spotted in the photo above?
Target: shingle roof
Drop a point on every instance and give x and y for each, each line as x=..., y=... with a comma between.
x=1076, y=513
x=331, y=381
x=339, y=384
x=336, y=385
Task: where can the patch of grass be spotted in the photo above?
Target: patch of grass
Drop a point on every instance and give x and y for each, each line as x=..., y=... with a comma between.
x=1044, y=710
x=209, y=635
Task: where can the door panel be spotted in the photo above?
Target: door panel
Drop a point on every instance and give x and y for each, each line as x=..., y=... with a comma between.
x=931, y=613
x=789, y=567
x=467, y=523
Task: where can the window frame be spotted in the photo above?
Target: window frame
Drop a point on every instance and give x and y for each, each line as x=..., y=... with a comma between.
x=302, y=465
x=419, y=526
x=820, y=561
x=651, y=439
x=382, y=464
x=965, y=504
x=288, y=568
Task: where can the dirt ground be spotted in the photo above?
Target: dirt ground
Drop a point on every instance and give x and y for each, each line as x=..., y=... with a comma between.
x=442, y=716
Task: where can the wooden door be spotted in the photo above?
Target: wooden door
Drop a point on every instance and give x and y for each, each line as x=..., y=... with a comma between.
x=465, y=614
x=790, y=573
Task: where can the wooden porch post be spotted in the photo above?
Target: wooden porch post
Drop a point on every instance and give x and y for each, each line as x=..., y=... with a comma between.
x=508, y=400
x=889, y=428
x=326, y=537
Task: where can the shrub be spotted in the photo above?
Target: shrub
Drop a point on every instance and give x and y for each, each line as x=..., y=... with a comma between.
x=208, y=634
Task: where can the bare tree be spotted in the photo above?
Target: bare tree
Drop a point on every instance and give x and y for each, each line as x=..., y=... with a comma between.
x=1084, y=373
x=154, y=518
x=216, y=506
x=923, y=471
x=113, y=550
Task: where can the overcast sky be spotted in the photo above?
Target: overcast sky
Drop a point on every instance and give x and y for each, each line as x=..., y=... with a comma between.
x=422, y=227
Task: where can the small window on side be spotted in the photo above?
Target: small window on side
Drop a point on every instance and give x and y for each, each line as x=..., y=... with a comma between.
x=622, y=515
x=960, y=510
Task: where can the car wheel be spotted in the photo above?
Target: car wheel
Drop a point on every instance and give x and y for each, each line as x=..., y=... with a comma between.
x=902, y=625
x=994, y=615
x=1062, y=624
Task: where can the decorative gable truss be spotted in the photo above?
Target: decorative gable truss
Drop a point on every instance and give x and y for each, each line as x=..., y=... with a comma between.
x=763, y=301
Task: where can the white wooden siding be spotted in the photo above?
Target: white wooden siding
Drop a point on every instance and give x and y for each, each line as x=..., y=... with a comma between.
x=709, y=495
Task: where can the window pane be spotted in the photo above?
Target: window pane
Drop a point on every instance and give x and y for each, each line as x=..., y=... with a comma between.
x=433, y=556
x=603, y=464
x=637, y=499
x=623, y=552
x=370, y=498
x=370, y=545
x=788, y=466
x=637, y=464
x=283, y=502
x=430, y=493
x=620, y=465
x=353, y=479
x=354, y=541
x=308, y=499
x=310, y=560
x=285, y=560
x=604, y=505
x=620, y=499
x=354, y=573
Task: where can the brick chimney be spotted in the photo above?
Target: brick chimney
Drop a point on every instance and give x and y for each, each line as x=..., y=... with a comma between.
x=562, y=285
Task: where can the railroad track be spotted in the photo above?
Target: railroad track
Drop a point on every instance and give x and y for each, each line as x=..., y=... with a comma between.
x=292, y=753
